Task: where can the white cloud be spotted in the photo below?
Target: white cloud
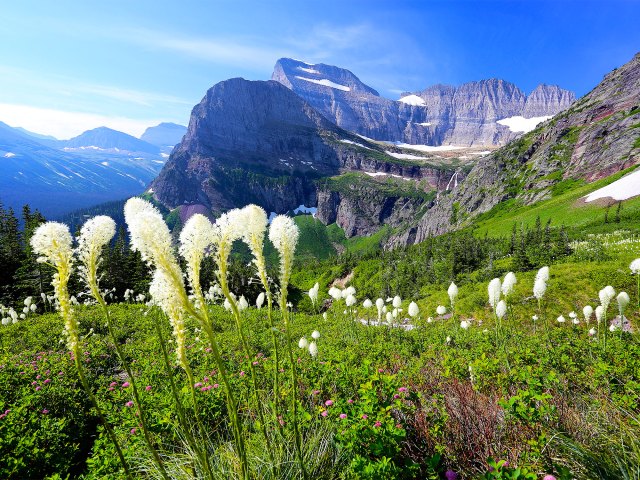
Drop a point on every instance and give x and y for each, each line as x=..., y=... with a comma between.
x=63, y=124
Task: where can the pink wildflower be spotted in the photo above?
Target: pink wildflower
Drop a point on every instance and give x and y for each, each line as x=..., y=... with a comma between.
x=324, y=413
x=129, y=404
x=328, y=403
x=148, y=388
x=377, y=424
x=343, y=416
x=125, y=385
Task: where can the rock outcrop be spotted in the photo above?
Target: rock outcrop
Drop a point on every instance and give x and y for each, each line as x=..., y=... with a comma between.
x=439, y=115
x=596, y=137
x=258, y=142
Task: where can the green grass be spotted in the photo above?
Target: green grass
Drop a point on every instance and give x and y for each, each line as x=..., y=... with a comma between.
x=352, y=184
x=563, y=209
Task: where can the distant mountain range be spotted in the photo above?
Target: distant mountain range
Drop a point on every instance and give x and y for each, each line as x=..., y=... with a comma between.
x=58, y=176
x=165, y=135
x=487, y=112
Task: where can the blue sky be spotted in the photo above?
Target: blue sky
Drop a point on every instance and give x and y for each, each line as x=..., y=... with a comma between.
x=67, y=66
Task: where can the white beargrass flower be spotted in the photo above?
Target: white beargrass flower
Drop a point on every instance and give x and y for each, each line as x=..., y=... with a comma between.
x=389, y=317
x=379, y=305
x=242, y=303
x=413, y=309
x=572, y=314
x=260, y=300
x=397, y=302
x=315, y=335
x=195, y=240
x=599, y=313
x=313, y=349
x=313, y=293
x=588, y=312
x=494, y=289
x=325, y=315
x=163, y=293
x=561, y=319
x=303, y=343
x=429, y=319
x=612, y=328
x=635, y=266
x=52, y=242
x=350, y=291
x=509, y=283
x=623, y=301
x=592, y=332
x=367, y=303
x=539, y=288
x=28, y=301
x=501, y=309
x=543, y=274
x=350, y=300
x=464, y=324
x=534, y=318
x=335, y=293
x=607, y=294
x=254, y=220
x=441, y=310
x=227, y=229
x=96, y=233
x=453, y=293
x=448, y=339
x=395, y=313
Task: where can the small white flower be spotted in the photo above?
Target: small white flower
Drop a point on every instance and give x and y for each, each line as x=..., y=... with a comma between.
x=561, y=319
x=260, y=300
x=324, y=315
x=599, y=313
x=303, y=343
x=448, y=339
x=588, y=312
x=367, y=303
x=572, y=314
x=453, y=293
x=313, y=293
x=534, y=318
x=242, y=303
x=464, y=324
x=612, y=328
x=430, y=320
x=501, y=309
x=335, y=293
x=494, y=289
x=413, y=309
x=350, y=291
x=397, y=302
x=635, y=266
x=576, y=321
x=315, y=335
x=509, y=283
x=592, y=332
x=313, y=349
x=350, y=300
x=441, y=310
x=389, y=317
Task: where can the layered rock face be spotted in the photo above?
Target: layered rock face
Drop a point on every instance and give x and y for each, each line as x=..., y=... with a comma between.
x=596, y=137
x=439, y=115
x=258, y=142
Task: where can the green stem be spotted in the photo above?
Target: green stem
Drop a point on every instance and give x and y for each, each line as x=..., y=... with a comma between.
x=136, y=396
x=174, y=391
x=294, y=380
x=110, y=433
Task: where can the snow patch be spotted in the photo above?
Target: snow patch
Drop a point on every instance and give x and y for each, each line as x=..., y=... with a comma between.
x=9, y=155
x=404, y=156
x=106, y=164
x=425, y=148
x=308, y=210
x=164, y=155
x=484, y=152
x=308, y=70
x=424, y=124
x=521, y=124
x=385, y=174
x=326, y=83
x=413, y=100
x=622, y=189
x=356, y=144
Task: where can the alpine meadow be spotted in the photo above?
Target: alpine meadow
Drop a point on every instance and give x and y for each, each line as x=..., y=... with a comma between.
x=308, y=277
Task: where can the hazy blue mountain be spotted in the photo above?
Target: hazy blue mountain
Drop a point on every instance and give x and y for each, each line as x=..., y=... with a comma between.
x=57, y=181
x=103, y=138
x=165, y=135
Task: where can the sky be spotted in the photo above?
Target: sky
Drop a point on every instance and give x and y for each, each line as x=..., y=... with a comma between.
x=68, y=66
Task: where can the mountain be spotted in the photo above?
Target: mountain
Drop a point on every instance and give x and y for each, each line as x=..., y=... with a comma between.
x=103, y=138
x=596, y=137
x=34, y=135
x=259, y=142
x=475, y=113
x=165, y=135
x=57, y=181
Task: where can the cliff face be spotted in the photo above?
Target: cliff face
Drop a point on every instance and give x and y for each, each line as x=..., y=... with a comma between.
x=439, y=115
x=258, y=142
x=596, y=137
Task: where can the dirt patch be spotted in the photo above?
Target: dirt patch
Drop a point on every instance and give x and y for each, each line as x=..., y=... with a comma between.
x=342, y=282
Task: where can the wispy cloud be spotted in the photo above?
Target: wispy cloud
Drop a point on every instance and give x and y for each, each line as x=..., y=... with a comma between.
x=66, y=124
x=67, y=86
